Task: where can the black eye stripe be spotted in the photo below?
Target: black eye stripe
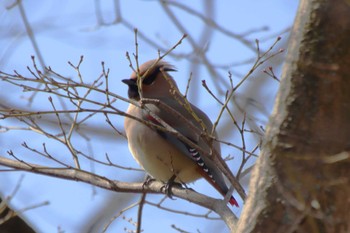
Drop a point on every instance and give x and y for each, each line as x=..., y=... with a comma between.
x=151, y=77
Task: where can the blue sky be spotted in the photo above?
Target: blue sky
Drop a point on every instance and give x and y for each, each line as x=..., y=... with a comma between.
x=65, y=30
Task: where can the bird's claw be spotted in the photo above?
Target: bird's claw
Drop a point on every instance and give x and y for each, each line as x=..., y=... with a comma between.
x=169, y=185
x=147, y=181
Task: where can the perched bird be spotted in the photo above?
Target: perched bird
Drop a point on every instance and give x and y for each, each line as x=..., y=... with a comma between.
x=163, y=155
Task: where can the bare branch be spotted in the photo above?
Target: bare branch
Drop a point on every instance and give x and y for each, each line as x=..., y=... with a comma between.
x=216, y=205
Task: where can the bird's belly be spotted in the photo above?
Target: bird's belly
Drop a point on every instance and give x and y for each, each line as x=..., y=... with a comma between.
x=161, y=159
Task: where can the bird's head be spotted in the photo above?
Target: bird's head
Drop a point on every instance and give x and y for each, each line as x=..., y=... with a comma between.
x=155, y=80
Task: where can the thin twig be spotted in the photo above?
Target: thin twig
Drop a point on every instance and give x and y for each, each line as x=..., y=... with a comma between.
x=139, y=212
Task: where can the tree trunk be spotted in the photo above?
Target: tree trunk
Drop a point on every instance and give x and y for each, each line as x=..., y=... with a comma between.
x=301, y=180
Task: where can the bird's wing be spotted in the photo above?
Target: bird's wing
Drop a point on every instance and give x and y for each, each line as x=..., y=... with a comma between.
x=206, y=166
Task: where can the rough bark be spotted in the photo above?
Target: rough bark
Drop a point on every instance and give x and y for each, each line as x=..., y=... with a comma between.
x=301, y=181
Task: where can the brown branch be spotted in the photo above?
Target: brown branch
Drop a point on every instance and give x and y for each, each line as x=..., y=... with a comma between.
x=139, y=213
x=216, y=205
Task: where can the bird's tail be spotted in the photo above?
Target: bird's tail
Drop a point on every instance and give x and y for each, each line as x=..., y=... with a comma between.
x=222, y=190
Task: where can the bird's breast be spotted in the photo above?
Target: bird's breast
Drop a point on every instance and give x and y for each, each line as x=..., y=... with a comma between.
x=157, y=156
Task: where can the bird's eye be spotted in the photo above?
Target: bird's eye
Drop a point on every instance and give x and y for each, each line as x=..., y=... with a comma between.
x=151, y=77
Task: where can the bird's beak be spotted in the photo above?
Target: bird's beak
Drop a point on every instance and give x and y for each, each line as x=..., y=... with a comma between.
x=129, y=82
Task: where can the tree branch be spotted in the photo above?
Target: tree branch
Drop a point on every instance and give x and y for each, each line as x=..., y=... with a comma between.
x=217, y=205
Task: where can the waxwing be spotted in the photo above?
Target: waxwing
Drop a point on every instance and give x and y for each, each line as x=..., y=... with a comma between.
x=163, y=155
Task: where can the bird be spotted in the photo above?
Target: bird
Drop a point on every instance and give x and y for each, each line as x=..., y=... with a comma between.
x=161, y=154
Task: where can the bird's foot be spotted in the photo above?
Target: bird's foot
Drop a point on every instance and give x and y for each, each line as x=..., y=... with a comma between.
x=169, y=185
x=147, y=181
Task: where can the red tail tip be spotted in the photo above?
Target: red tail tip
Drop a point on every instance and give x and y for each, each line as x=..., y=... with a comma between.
x=233, y=201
